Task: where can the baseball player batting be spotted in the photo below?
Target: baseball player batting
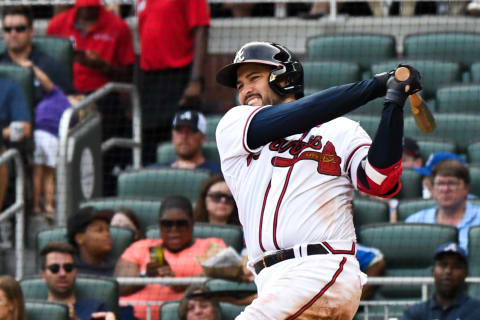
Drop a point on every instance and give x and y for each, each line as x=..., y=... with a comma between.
x=292, y=164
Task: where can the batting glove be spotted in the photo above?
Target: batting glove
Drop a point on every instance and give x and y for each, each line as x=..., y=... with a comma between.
x=398, y=91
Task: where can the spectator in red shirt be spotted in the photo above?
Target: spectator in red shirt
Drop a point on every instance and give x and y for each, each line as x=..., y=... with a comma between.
x=103, y=53
x=173, y=39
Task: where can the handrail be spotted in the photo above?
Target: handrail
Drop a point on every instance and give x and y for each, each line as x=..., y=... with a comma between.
x=17, y=209
x=64, y=139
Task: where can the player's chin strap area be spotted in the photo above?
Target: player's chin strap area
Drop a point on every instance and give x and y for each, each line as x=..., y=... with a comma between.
x=303, y=250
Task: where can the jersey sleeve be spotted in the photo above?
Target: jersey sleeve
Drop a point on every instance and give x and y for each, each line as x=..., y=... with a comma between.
x=198, y=13
x=231, y=133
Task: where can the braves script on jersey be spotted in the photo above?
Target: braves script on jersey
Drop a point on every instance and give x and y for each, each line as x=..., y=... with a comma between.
x=295, y=190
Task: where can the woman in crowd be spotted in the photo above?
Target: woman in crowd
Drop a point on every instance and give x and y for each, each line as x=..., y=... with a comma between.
x=199, y=304
x=215, y=203
x=127, y=218
x=12, y=306
x=173, y=255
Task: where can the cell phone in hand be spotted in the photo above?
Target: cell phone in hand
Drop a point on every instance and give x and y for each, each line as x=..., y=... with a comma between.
x=157, y=255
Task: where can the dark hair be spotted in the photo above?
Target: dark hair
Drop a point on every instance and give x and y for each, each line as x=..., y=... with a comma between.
x=132, y=215
x=14, y=293
x=201, y=213
x=452, y=168
x=194, y=291
x=55, y=246
x=25, y=11
x=176, y=202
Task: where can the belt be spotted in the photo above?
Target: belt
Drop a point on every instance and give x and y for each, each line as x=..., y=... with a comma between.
x=286, y=254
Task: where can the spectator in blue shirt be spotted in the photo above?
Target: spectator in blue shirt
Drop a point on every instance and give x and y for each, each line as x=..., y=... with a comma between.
x=450, y=187
x=449, y=301
x=13, y=109
x=188, y=135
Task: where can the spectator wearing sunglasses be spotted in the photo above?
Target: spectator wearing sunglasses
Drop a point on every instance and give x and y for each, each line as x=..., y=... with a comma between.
x=173, y=255
x=188, y=136
x=215, y=203
x=88, y=231
x=60, y=273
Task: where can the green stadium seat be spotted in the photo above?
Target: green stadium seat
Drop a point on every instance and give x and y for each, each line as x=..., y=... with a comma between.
x=364, y=49
x=474, y=260
x=408, y=250
x=231, y=234
x=368, y=211
x=146, y=208
x=453, y=46
x=239, y=290
x=459, y=128
x=428, y=146
x=411, y=206
x=43, y=310
x=435, y=74
x=475, y=180
x=22, y=76
x=458, y=99
x=100, y=288
x=122, y=238
x=372, y=108
x=319, y=75
x=166, y=152
x=212, y=122
x=473, y=152
x=411, y=184
x=162, y=182
x=475, y=72
x=169, y=310
x=368, y=122
x=59, y=48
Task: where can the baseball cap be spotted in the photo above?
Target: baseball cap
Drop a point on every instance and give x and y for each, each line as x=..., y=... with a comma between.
x=190, y=118
x=450, y=247
x=436, y=158
x=87, y=3
x=411, y=147
x=77, y=222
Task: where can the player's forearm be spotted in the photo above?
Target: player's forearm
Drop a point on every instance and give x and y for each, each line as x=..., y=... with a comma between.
x=387, y=145
x=299, y=116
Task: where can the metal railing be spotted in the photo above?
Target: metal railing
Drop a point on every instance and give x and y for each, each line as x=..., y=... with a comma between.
x=66, y=145
x=17, y=208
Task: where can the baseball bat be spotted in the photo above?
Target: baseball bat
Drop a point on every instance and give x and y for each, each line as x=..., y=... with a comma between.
x=421, y=113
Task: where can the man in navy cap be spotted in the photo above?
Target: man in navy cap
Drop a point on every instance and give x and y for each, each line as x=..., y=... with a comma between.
x=450, y=186
x=449, y=301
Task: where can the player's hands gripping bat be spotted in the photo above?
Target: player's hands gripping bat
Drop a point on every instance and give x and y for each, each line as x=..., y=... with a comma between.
x=421, y=113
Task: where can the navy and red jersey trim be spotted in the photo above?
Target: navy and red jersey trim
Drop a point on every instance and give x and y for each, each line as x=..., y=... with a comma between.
x=261, y=216
x=279, y=202
x=333, y=251
x=244, y=137
x=321, y=293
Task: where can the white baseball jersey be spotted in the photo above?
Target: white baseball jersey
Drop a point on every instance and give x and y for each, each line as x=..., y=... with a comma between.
x=294, y=190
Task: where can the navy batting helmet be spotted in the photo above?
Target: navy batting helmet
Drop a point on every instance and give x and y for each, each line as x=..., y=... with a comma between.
x=286, y=67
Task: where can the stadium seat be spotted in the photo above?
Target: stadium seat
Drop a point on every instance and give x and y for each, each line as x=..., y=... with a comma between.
x=411, y=184
x=100, y=288
x=368, y=122
x=459, y=128
x=367, y=211
x=453, y=46
x=231, y=288
x=459, y=98
x=169, y=310
x=122, y=238
x=162, y=182
x=408, y=250
x=435, y=74
x=431, y=145
x=475, y=180
x=212, y=122
x=475, y=72
x=473, y=152
x=319, y=75
x=232, y=235
x=372, y=108
x=22, y=76
x=363, y=49
x=166, y=152
x=474, y=259
x=410, y=206
x=43, y=310
x=59, y=48
x=146, y=208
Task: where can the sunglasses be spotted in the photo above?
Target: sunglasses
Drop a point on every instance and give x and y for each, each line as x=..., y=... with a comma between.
x=217, y=196
x=55, y=268
x=16, y=28
x=181, y=224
